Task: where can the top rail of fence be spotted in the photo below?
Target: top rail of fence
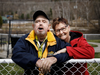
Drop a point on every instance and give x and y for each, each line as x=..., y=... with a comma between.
x=94, y=60
x=91, y=34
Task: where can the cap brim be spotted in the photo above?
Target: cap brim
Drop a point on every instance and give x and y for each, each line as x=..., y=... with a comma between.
x=39, y=12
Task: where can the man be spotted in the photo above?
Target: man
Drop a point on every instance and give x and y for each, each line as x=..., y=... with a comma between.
x=37, y=47
x=79, y=49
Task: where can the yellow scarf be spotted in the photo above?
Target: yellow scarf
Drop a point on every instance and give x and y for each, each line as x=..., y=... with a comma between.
x=40, y=48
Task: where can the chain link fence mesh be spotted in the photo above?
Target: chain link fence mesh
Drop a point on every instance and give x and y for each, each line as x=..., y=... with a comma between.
x=8, y=67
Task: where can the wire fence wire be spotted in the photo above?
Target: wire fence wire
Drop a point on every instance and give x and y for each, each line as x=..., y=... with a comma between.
x=8, y=67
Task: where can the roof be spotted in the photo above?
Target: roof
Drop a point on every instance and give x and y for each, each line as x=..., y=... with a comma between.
x=4, y=18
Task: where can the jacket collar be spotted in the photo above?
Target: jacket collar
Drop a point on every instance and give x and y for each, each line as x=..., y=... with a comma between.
x=79, y=34
x=75, y=35
x=50, y=37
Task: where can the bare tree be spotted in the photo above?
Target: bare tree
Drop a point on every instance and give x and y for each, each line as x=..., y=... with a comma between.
x=90, y=10
x=96, y=11
x=86, y=5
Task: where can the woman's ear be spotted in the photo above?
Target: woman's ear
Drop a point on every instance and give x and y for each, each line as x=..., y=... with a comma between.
x=68, y=27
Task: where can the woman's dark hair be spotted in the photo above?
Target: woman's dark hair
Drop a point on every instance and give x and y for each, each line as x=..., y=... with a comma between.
x=59, y=20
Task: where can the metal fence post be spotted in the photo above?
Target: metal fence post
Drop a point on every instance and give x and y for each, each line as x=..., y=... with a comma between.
x=8, y=38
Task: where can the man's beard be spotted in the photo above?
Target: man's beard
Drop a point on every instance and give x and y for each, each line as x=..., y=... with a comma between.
x=41, y=33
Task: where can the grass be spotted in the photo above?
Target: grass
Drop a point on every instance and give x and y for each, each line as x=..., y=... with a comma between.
x=93, y=45
x=96, y=41
x=97, y=55
x=94, y=68
x=10, y=69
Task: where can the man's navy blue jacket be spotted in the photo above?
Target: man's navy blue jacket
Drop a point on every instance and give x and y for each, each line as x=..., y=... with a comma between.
x=25, y=51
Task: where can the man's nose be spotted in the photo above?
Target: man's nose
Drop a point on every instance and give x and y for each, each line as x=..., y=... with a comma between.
x=40, y=23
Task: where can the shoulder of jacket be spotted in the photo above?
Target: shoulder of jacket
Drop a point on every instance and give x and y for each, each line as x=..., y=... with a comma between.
x=24, y=36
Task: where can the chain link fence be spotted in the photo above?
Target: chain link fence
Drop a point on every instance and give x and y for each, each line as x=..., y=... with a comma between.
x=8, y=67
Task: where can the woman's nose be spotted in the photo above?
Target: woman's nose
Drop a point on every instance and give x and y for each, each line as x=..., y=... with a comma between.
x=60, y=31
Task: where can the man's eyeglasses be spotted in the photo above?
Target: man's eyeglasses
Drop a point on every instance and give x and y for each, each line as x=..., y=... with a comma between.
x=62, y=29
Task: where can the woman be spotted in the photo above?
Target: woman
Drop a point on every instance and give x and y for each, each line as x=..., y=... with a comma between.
x=80, y=48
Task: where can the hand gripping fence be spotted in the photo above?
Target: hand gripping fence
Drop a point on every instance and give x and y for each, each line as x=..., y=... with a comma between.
x=8, y=67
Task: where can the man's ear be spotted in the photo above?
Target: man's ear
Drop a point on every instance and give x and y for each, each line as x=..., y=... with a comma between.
x=49, y=26
x=33, y=26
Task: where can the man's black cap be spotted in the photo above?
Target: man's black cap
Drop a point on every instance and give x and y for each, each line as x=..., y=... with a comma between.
x=39, y=12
